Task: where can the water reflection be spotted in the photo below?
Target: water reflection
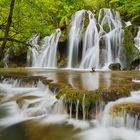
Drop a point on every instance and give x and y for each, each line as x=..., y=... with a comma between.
x=90, y=81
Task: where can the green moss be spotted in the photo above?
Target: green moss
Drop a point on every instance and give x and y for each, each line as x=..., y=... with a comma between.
x=62, y=63
x=72, y=95
x=113, y=93
x=129, y=52
x=91, y=97
x=56, y=87
x=129, y=107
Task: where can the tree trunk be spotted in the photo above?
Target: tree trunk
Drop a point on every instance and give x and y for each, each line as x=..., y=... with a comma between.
x=9, y=21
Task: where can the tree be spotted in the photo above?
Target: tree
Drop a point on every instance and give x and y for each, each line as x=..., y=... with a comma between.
x=9, y=21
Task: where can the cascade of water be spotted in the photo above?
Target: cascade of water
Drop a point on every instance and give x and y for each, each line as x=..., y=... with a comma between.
x=76, y=28
x=70, y=110
x=111, y=35
x=102, y=41
x=21, y=108
x=110, y=133
x=125, y=119
x=6, y=58
x=90, y=55
x=59, y=107
x=44, y=55
x=83, y=106
x=77, y=109
x=137, y=40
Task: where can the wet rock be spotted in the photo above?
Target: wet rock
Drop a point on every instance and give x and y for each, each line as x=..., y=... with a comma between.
x=135, y=64
x=129, y=52
x=90, y=100
x=114, y=93
x=130, y=107
x=115, y=66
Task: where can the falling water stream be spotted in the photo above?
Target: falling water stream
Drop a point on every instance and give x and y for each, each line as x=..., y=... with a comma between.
x=92, y=42
x=102, y=40
x=137, y=40
x=44, y=55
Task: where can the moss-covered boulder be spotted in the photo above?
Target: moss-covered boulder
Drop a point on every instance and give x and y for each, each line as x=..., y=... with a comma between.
x=81, y=101
x=115, y=66
x=113, y=93
x=129, y=52
x=128, y=107
x=89, y=101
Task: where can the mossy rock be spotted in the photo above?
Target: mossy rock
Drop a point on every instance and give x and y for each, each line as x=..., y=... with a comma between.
x=62, y=63
x=113, y=93
x=90, y=99
x=72, y=95
x=84, y=99
x=129, y=52
x=46, y=81
x=129, y=107
x=56, y=87
x=115, y=66
x=131, y=86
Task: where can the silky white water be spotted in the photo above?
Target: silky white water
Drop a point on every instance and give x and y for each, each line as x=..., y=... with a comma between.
x=75, y=32
x=137, y=40
x=101, y=41
x=43, y=103
x=92, y=42
x=44, y=55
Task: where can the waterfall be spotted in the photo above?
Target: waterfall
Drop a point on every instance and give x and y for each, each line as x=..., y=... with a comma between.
x=101, y=41
x=124, y=119
x=137, y=40
x=6, y=57
x=93, y=42
x=90, y=55
x=74, y=37
x=44, y=55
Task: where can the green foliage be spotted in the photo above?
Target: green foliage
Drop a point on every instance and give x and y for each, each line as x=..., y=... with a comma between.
x=129, y=9
x=33, y=16
x=43, y=16
x=130, y=51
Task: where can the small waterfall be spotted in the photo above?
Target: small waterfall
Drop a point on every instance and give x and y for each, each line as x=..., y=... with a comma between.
x=75, y=33
x=137, y=40
x=90, y=55
x=124, y=119
x=108, y=40
x=26, y=103
x=77, y=109
x=6, y=58
x=44, y=55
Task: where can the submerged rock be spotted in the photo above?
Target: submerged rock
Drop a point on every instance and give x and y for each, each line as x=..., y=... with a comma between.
x=115, y=66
